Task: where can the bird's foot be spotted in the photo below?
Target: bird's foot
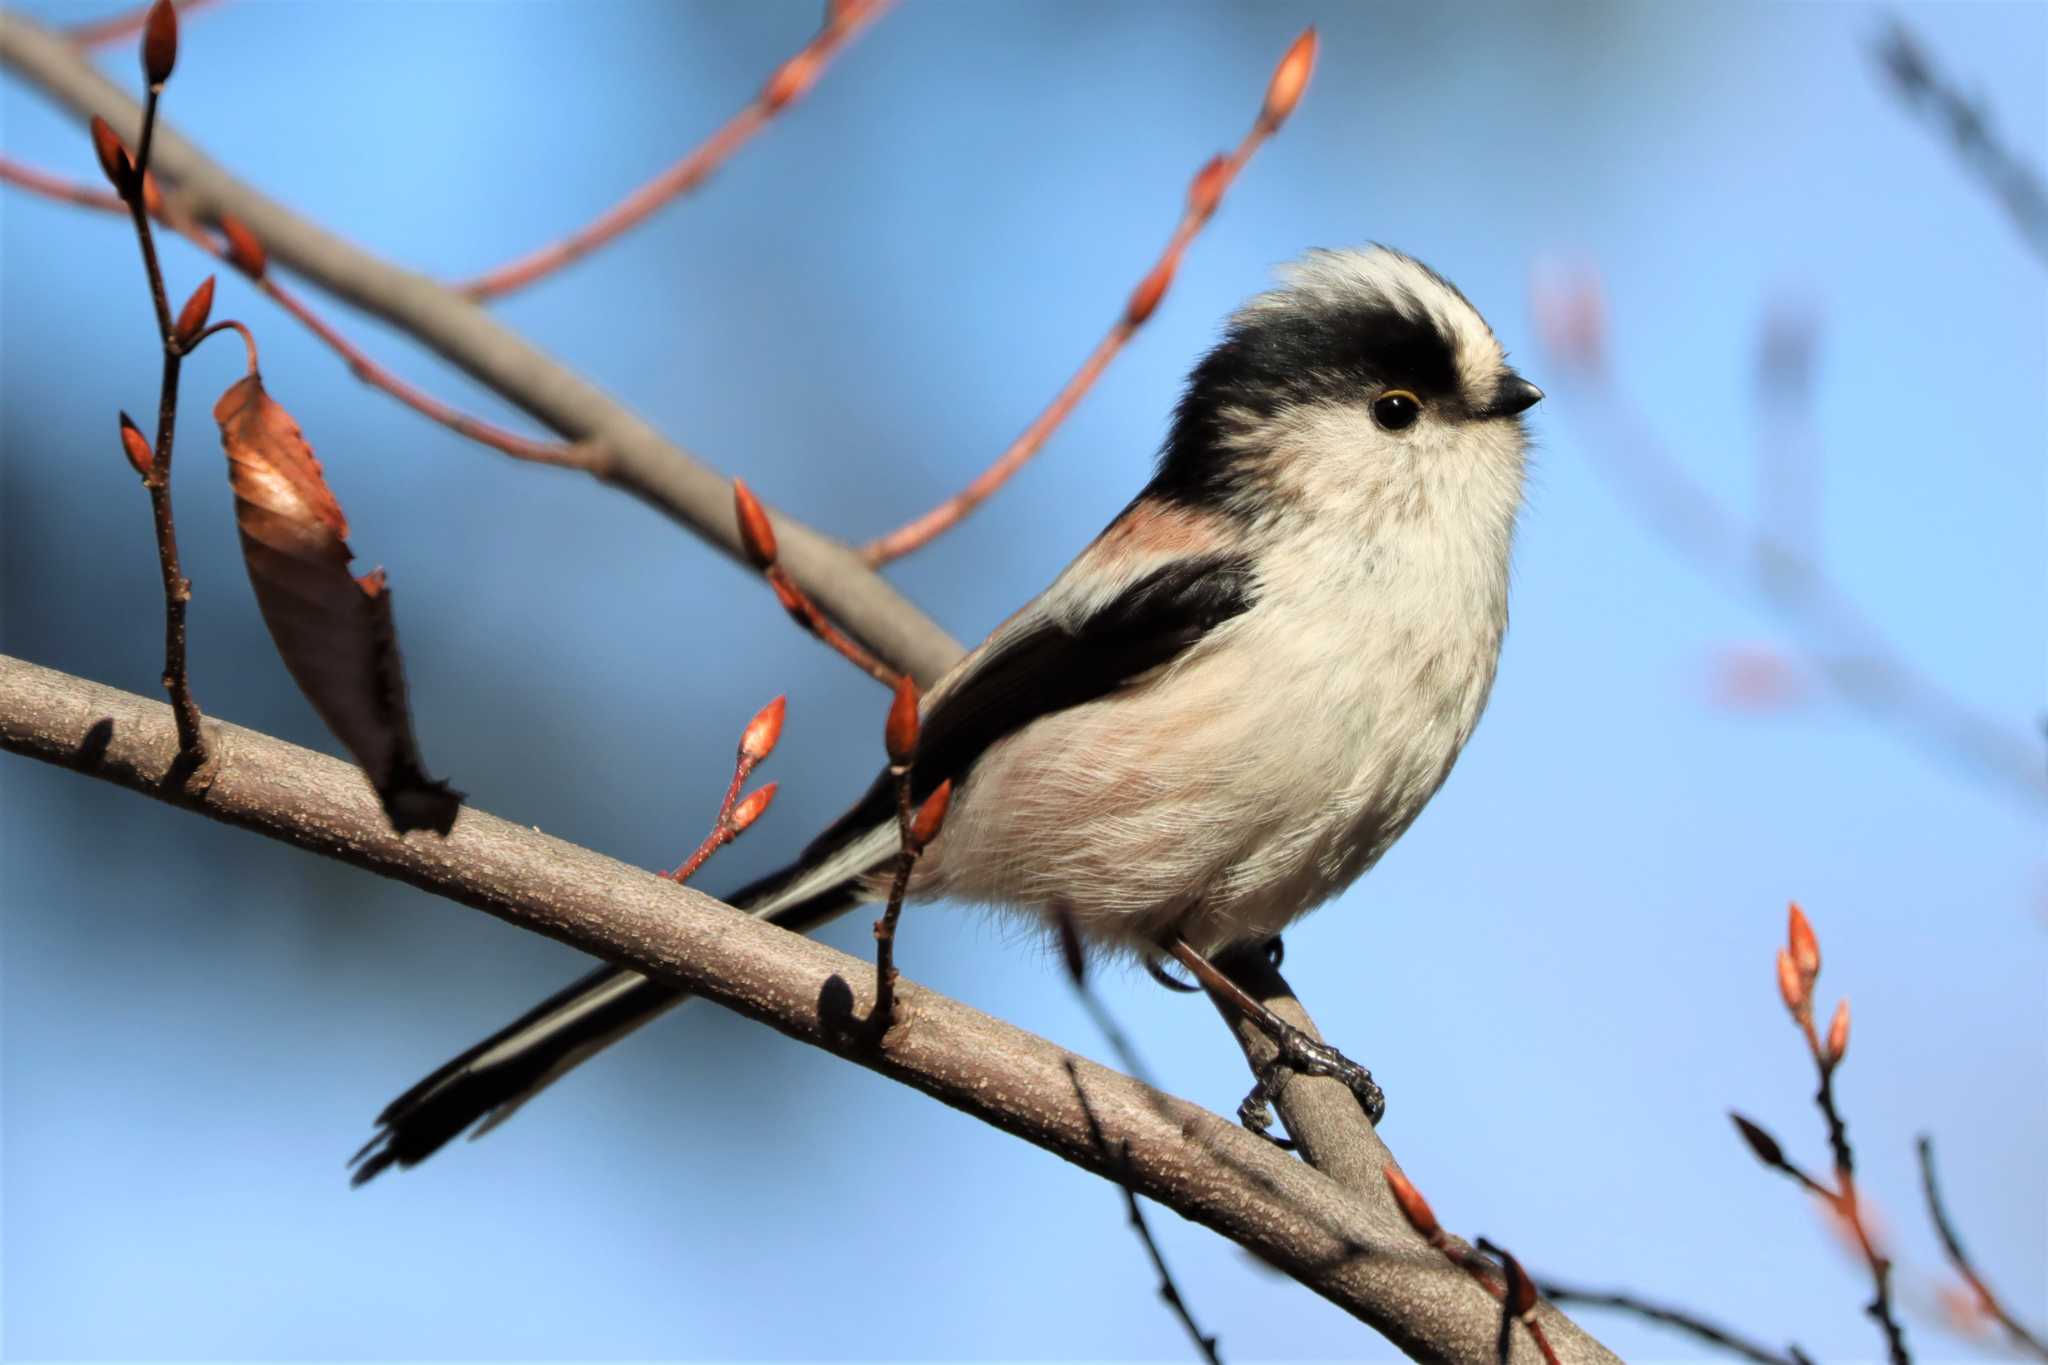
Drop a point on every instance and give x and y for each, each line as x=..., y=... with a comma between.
x=1303, y=1055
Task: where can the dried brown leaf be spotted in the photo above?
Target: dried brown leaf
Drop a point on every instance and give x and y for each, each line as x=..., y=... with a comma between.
x=334, y=630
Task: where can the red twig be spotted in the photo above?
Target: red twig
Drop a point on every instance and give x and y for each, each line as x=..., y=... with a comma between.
x=1514, y=1290
x=582, y=455
x=916, y=827
x=123, y=25
x=56, y=187
x=1987, y=1302
x=129, y=177
x=735, y=815
x=843, y=21
x=757, y=537
x=1290, y=79
x=1798, y=967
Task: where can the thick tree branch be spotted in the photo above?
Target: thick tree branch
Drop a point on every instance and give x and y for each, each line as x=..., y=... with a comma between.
x=1354, y=1251
x=641, y=460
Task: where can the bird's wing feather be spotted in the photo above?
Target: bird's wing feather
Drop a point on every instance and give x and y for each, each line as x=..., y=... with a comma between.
x=1040, y=663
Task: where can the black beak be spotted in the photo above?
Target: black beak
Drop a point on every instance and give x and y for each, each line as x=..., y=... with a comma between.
x=1514, y=395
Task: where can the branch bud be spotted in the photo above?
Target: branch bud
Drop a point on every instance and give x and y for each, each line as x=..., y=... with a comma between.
x=1838, y=1032
x=1290, y=78
x=758, y=740
x=931, y=816
x=1761, y=1143
x=1413, y=1206
x=1790, y=987
x=136, y=446
x=757, y=536
x=1206, y=190
x=790, y=80
x=899, y=735
x=152, y=195
x=192, y=317
x=1145, y=298
x=115, y=163
x=1805, y=947
x=752, y=808
x=159, y=42
x=245, y=251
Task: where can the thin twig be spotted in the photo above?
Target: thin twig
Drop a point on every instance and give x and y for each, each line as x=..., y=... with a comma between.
x=1798, y=968
x=2016, y=185
x=587, y=456
x=1169, y=1292
x=1290, y=78
x=758, y=542
x=57, y=187
x=916, y=827
x=1987, y=1302
x=843, y=21
x=123, y=25
x=1713, y=1333
x=735, y=816
x=129, y=178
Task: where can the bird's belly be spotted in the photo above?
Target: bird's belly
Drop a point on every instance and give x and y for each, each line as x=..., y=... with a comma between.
x=1217, y=801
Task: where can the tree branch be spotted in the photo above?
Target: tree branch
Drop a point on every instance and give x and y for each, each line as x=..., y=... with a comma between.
x=642, y=461
x=1354, y=1251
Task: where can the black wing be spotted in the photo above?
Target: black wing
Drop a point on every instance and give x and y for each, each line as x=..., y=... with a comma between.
x=1053, y=666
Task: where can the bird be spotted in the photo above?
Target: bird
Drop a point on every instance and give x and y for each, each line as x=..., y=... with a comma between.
x=1218, y=716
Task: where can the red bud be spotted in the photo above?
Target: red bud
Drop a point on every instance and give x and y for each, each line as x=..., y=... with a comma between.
x=752, y=808
x=1207, y=190
x=1413, y=1206
x=1145, y=298
x=1290, y=78
x=152, y=195
x=192, y=317
x=899, y=735
x=1790, y=987
x=159, y=42
x=757, y=536
x=136, y=446
x=245, y=251
x=1805, y=947
x=115, y=162
x=931, y=816
x=1838, y=1032
x=758, y=740
x=790, y=80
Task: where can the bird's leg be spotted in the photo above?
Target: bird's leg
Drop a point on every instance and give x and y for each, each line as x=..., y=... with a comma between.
x=1295, y=1050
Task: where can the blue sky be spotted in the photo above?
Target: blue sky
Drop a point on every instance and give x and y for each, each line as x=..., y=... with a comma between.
x=1562, y=975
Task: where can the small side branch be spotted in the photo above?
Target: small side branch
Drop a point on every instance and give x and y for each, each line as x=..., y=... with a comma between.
x=1290, y=79
x=843, y=22
x=1692, y=1324
x=1987, y=1302
x=1966, y=124
x=130, y=179
x=124, y=25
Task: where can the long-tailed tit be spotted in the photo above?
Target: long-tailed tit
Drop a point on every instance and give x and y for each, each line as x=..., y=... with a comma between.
x=1222, y=712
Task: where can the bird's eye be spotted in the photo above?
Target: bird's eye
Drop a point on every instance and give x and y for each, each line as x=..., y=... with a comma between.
x=1396, y=409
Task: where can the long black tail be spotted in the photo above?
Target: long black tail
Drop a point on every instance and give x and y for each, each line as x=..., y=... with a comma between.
x=487, y=1084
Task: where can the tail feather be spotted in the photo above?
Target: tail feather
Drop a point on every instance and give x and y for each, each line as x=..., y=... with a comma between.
x=487, y=1084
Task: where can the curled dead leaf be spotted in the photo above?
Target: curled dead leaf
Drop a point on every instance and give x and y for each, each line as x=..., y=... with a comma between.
x=334, y=630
